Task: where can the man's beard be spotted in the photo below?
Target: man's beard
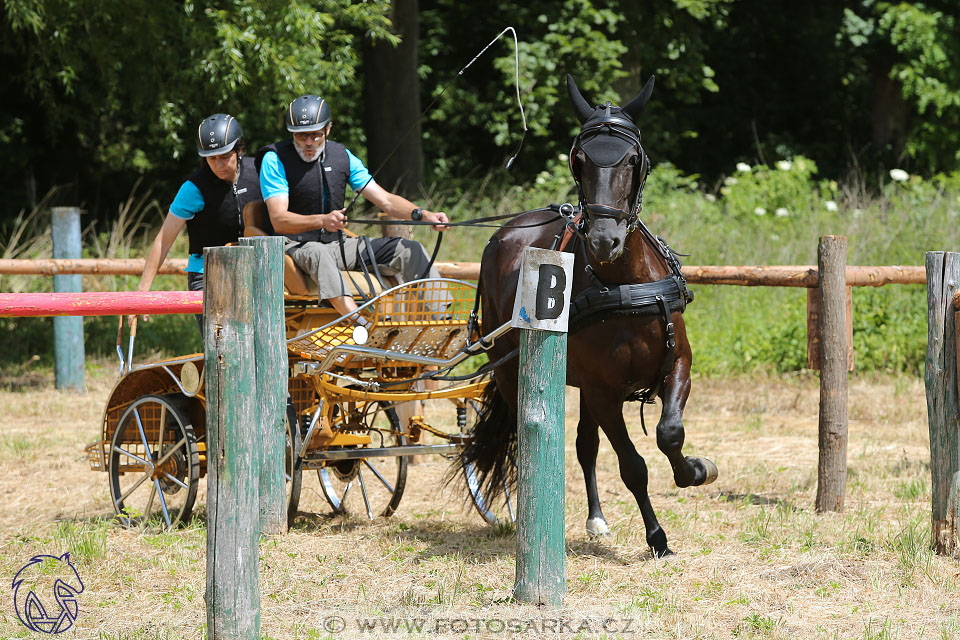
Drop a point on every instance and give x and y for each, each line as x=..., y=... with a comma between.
x=304, y=158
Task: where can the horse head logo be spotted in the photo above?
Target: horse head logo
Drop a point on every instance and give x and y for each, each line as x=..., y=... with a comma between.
x=41, y=579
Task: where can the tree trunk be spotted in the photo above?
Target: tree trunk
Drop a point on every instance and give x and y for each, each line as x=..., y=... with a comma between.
x=888, y=117
x=392, y=105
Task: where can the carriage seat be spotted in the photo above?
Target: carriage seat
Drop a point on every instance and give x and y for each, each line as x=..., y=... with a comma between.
x=297, y=282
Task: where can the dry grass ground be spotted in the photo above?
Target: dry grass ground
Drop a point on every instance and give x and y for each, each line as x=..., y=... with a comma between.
x=753, y=560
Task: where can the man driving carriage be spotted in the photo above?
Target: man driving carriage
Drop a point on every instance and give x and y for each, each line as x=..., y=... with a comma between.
x=303, y=180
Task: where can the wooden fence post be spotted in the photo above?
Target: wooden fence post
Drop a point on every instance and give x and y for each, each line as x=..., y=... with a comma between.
x=541, y=313
x=233, y=524
x=272, y=376
x=813, y=328
x=832, y=464
x=67, y=332
x=940, y=379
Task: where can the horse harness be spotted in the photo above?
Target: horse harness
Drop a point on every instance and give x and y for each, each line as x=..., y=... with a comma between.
x=606, y=139
x=601, y=301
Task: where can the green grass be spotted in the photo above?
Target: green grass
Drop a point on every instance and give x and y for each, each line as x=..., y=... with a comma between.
x=85, y=542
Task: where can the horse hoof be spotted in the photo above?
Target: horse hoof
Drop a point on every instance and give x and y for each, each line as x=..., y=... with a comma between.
x=665, y=553
x=597, y=527
x=657, y=541
x=711, y=469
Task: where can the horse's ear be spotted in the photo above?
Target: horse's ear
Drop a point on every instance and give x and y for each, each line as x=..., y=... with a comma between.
x=635, y=107
x=66, y=557
x=581, y=107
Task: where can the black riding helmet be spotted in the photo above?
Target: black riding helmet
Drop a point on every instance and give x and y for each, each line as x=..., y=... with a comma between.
x=217, y=134
x=308, y=113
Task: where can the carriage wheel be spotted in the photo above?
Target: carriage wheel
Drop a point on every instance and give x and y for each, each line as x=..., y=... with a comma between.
x=503, y=509
x=292, y=464
x=372, y=486
x=154, y=464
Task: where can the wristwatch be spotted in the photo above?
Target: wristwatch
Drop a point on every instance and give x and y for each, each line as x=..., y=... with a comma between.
x=417, y=214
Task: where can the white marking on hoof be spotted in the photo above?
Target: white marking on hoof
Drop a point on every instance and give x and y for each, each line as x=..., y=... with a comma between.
x=712, y=471
x=597, y=527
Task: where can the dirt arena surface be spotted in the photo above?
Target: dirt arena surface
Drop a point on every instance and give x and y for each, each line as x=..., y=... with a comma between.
x=752, y=558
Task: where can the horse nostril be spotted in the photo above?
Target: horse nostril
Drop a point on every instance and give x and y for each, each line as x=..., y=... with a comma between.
x=614, y=243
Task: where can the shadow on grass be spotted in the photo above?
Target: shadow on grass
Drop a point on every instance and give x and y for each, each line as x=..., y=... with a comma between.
x=754, y=499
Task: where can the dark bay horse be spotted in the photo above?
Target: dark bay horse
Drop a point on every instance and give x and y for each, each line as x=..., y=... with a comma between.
x=627, y=339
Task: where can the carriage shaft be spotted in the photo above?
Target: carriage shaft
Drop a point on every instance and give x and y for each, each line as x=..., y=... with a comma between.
x=380, y=452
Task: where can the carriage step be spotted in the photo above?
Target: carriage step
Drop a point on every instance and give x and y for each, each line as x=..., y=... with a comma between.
x=97, y=455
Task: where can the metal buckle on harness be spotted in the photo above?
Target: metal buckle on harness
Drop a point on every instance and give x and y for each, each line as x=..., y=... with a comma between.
x=671, y=334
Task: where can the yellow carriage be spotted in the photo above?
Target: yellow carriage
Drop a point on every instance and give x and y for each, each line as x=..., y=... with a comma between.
x=349, y=390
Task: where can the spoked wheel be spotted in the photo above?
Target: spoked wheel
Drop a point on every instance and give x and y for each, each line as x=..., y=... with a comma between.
x=497, y=511
x=154, y=464
x=369, y=486
x=292, y=464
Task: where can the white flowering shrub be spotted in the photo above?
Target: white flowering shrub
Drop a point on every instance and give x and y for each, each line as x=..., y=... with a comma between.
x=786, y=189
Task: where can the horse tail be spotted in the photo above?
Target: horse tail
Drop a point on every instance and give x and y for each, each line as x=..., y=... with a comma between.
x=492, y=451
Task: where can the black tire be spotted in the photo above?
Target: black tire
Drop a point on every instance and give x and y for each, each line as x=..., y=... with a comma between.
x=154, y=463
x=499, y=512
x=293, y=464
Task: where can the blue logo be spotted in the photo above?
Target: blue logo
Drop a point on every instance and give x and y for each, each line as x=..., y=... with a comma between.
x=45, y=594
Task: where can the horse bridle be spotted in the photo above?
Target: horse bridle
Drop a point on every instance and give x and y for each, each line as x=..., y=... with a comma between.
x=624, y=129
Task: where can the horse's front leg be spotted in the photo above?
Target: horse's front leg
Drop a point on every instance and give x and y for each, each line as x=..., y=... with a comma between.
x=687, y=471
x=588, y=443
x=633, y=469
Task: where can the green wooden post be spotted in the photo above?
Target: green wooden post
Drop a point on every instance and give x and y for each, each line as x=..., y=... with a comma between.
x=271, y=358
x=943, y=412
x=67, y=331
x=540, y=314
x=233, y=523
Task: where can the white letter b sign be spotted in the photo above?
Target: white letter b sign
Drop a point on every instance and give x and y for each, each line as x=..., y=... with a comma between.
x=543, y=293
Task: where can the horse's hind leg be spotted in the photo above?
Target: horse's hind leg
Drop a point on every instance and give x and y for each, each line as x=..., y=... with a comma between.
x=687, y=471
x=633, y=469
x=588, y=442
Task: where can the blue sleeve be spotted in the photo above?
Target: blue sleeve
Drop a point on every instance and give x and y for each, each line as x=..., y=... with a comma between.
x=188, y=202
x=273, y=179
x=359, y=176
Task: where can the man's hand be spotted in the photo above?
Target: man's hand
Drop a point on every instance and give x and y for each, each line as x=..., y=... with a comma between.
x=438, y=218
x=335, y=221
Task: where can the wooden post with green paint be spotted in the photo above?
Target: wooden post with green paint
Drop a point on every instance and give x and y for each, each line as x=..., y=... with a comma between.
x=943, y=407
x=271, y=387
x=67, y=332
x=540, y=314
x=233, y=458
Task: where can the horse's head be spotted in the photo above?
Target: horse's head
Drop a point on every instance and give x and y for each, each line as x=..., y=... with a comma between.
x=610, y=167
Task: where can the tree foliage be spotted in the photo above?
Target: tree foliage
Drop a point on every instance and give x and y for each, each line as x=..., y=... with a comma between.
x=100, y=92
x=108, y=88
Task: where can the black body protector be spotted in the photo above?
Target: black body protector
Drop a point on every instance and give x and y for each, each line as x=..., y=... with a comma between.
x=605, y=138
x=221, y=220
x=309, y=181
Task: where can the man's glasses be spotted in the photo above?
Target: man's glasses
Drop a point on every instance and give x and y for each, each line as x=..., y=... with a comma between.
x=309, y=136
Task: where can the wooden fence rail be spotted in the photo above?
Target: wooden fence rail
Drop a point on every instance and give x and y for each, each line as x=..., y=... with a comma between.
x=744, y=276
x=100, y=303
